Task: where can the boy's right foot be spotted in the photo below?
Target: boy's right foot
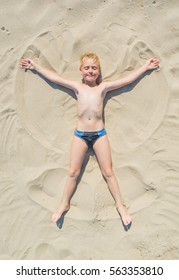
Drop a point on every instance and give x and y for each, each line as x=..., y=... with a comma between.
x=125, y=216
x=58, y=214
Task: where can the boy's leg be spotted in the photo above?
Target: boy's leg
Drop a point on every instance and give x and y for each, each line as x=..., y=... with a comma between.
x=77, y=155
x=103, y=154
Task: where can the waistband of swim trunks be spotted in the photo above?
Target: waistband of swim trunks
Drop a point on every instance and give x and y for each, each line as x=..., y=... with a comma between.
x=97, y=131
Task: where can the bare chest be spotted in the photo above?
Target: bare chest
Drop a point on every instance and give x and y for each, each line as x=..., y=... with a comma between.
x=90, y=97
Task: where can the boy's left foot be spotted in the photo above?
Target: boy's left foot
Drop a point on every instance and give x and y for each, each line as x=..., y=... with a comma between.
x=58, y=214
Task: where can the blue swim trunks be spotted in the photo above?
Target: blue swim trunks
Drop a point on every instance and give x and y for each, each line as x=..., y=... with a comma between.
x=90, y=137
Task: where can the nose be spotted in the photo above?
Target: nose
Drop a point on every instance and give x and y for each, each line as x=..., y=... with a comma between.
x=90, y=70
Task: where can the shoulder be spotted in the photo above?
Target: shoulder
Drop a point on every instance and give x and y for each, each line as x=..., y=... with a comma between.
x=113, y=85
x=103, y=87
x=74, y=85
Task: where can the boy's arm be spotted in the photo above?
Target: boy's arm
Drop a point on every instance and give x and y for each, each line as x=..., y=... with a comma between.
x=27, y=63
x=151, y=64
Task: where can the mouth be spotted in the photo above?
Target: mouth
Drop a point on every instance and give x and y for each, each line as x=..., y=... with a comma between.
x=90, y=76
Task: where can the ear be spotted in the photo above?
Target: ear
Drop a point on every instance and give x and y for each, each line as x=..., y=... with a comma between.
x=80, y=70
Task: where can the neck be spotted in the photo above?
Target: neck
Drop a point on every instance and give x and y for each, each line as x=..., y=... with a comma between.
x=90, y=84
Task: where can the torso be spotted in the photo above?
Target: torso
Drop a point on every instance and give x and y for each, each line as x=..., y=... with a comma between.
x=90, y=107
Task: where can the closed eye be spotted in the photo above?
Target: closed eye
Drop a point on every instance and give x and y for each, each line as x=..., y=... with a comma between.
x=88, y=67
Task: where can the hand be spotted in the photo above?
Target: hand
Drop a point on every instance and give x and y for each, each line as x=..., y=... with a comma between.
x=27, y=63
x=152, y=63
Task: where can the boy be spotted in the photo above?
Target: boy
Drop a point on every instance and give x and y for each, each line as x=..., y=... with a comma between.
x=90, y=131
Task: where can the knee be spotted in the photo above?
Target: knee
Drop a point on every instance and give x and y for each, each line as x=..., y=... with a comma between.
x=107, y=172
x=74, y=173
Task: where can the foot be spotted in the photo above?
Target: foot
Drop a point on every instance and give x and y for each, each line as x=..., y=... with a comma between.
x=57, y=215
x=125, y=216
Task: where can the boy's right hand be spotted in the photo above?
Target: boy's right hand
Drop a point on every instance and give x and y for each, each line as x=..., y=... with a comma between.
x=27, y=63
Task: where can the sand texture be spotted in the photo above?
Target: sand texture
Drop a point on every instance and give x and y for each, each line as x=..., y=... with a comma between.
x=37, y=120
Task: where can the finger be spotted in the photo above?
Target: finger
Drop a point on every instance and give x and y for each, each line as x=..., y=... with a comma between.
x=156, y=60
x=24, y=65
x=25, y=60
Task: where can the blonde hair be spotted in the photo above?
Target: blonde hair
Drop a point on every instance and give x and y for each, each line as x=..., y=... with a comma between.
x=95, y=59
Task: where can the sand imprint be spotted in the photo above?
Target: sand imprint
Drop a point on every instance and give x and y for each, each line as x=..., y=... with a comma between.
x=48, y=112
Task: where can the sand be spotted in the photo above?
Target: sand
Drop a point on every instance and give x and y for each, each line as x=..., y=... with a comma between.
x=37, y=120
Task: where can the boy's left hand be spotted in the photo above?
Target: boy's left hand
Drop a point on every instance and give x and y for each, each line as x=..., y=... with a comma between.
x=152, y=63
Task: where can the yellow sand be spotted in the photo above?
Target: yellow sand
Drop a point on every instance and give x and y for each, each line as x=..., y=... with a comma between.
x=37, y=121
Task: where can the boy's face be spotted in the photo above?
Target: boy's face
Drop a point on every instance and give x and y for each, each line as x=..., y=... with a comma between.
x=89, y=71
